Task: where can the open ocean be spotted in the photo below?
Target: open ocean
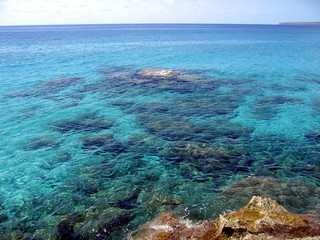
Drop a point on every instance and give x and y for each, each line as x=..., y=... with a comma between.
x=91, y=147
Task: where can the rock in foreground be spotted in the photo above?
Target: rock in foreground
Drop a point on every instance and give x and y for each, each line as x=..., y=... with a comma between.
x=262, y=218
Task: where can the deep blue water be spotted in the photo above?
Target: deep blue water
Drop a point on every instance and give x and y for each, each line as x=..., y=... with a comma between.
x=87, y=139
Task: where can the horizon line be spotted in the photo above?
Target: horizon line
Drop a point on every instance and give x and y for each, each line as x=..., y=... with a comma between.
x=74, y=24
x=81, y=24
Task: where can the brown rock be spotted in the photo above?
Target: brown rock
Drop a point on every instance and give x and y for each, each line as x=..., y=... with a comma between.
x=262, y=218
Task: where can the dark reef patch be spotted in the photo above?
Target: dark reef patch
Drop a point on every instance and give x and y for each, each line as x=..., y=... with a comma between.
x=290, y=88
x=87, y=122
x=314, y=135
x=93, y=223
x=316, y=106
x=278, y=99
x=123, y=105
x=170, y=128
x=308, y=80
x=205, y=107
x=223, y=128
x=292, y=193
x=58, y=158
x=151, y=107
x=144, y=143
x=102, y=144
x=265, y=111
x=57, y=84
x=129, y=202
x=42, y=142
x=210, y=158
x=268, y=107
x=48, y=88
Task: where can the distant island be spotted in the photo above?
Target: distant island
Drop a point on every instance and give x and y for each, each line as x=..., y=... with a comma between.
x=300, y=23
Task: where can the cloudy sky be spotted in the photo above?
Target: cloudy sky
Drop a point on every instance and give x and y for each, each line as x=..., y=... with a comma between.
x=38, y=12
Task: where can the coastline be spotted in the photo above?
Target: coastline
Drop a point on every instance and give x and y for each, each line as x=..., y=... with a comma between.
x=301, y=23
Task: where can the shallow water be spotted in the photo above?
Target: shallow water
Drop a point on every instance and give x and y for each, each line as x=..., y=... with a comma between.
x=88, y=140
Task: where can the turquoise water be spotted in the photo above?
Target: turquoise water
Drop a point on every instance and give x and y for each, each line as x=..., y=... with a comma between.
x=90, y=144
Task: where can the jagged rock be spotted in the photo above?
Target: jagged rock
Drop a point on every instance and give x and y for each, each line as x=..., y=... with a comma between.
x=262, y=218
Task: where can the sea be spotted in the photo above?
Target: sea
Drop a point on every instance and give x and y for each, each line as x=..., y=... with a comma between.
x=104, y=127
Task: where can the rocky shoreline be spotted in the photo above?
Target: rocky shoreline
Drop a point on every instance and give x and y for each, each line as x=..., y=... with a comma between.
x=261, y=218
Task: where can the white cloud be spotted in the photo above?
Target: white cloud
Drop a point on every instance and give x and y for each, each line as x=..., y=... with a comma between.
x=170, y=2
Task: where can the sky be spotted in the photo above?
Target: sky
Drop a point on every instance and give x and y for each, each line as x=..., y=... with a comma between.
x=43, y=12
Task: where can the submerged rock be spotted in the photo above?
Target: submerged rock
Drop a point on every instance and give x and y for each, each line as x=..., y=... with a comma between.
x=170, y=128
x=88, y=122
x=263, y=218
x=93, y=223
x=48, y=87
x=41, y=142
x=102, y=143
x=144, y=143
x=57, y=159
x=265, y=111
x=157, y=72
x=129, y=202
x=57, y=84
x=316, y=106
x=209, y=158
x=148, y=75
x=151, y=107
x=315, y=135
x=268, y=107
x=205, y=106
x=152, y=75
x=123, y=105
x=158, y=202
x=224, y=128
x=278, y=99
x=296, y=194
